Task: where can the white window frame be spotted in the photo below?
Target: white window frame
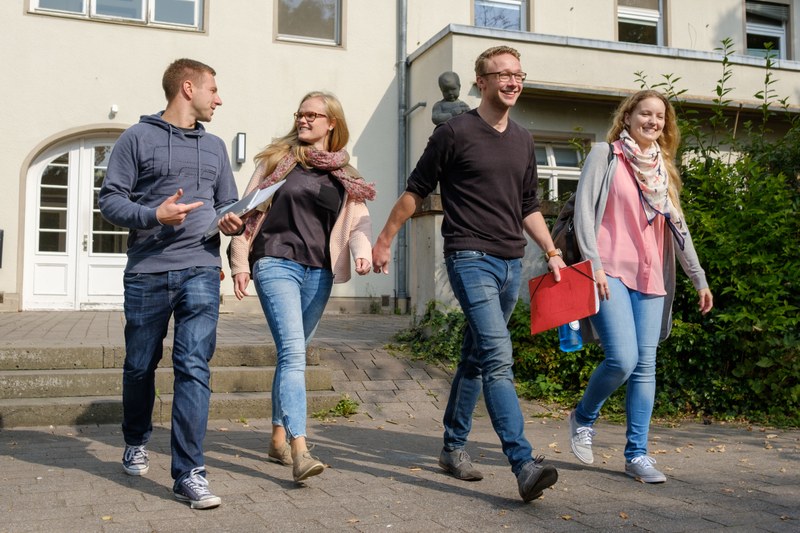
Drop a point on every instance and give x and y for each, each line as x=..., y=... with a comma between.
x=288, y=37
x=89, y=12
x=520, y=4
x=644, y=17
x=777, y=30
x=553, y=172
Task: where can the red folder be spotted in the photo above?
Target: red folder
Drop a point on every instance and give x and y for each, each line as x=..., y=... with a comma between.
x=572, y=298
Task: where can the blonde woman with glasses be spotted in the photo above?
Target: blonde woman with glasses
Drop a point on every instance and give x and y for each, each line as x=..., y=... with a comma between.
x=296, y=248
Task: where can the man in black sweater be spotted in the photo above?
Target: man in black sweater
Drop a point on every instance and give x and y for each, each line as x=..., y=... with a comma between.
x=485, y=166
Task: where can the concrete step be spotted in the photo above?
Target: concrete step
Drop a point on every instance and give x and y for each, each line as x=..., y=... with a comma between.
x=108, y=381
x=68, y=411
x=45, y=358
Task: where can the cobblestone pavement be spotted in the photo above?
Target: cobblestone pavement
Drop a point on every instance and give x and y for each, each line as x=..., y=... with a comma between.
x=382, y=470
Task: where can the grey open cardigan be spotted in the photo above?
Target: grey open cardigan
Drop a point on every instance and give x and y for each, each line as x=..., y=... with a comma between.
x=590, y=205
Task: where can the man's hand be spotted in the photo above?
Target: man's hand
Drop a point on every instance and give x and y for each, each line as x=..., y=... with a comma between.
x=554, y=264
x=240, y=283
x=381, y=255
x=230, y=224
x=171, y=213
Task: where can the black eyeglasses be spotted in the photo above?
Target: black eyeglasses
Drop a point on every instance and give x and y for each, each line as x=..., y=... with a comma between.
x=310, y=116
x=504, y=77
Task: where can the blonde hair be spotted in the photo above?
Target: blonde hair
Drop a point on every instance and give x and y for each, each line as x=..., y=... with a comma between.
x=480, y=63
x=668, y=141
x=336, y=140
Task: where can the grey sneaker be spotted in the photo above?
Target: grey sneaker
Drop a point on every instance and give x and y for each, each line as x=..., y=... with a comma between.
x=305, y=466
x=641, y=468
x=135, y=461
x=194, y=490
x=534, y=478
x=459, y=464
x=580, y=440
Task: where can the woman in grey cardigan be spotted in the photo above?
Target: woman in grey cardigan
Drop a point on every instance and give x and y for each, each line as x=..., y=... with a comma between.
x=630, y=225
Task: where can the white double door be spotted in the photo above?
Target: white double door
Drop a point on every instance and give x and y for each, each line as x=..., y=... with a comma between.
x=73, y=259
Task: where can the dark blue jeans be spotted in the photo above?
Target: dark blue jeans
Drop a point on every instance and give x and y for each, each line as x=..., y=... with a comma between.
x=487, y=288
x=192, y=296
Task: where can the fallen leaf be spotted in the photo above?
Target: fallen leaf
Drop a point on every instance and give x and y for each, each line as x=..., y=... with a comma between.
x=107, y=518
x=553, y=445
x=782, y=470
x=222, y=429
x=353, y=520
x=658, y=452
x=678, y=450
x=566, y=517
x=728, y=491
x=767, y=446
x=415, y=469
x=623, y=515
x=772, y=436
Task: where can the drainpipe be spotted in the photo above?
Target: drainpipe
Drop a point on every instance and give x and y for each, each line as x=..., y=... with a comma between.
x=401, y=255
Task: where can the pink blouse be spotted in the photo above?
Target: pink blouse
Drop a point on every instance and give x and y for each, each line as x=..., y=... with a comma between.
x=630, y=248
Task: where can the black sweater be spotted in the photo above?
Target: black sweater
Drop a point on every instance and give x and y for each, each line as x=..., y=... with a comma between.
x=487, y=180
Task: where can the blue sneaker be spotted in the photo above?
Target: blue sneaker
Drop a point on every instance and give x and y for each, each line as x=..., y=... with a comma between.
x=135, y=461
x=194, y=490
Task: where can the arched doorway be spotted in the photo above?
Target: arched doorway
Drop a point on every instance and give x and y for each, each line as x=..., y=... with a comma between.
x=73, y=257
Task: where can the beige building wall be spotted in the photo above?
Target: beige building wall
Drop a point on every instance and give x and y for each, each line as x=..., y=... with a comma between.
x=587, y=19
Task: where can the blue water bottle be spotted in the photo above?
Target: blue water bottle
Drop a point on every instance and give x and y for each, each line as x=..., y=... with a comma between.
x=569, y=337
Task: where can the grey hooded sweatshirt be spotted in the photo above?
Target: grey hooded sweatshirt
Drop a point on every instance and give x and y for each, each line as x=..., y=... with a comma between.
x=149, y=163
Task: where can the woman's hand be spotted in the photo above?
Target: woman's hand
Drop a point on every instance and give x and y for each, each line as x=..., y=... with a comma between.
x=706, y=301
x=240, y=283
x=362, y=266
x=602, y=284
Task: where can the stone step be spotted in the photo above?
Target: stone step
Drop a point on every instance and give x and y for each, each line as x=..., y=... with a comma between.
x=55, y=358
x=70, y=411
x=108, y=381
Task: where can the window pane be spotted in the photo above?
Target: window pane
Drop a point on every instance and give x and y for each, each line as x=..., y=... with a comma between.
x=541, y=155
x=127, y=9
x=565, y=156
x=101, y=154
x=314, y=19
x=72, y=6
x=566, y=187
x=643, y=4
x=53, y=197
x=52, y=219
x=53, y=175
x=109, y=243
x=175, y=12
x=50, y=241
x=757, y=44
x=498, y=15
x=544, y=189
x=637, y=32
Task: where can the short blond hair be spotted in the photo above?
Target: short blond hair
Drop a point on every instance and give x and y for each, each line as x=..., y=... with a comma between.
x=480, y=63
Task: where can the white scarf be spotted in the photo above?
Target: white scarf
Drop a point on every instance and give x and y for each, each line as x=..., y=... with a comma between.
x=653, y=180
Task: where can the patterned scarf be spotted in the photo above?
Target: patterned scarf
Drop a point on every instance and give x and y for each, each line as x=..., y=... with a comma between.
x=653, y=180
x=334, y=162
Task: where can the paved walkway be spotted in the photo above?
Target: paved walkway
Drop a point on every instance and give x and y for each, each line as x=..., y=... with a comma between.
x=382, y=473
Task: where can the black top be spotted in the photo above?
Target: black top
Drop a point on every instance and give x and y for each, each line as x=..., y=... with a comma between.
x=299, y=223
x=488, y=183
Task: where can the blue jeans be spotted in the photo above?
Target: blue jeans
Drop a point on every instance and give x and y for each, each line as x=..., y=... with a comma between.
x=192, y=296
x=487, y=288
x=293, y=297
x=628, y=324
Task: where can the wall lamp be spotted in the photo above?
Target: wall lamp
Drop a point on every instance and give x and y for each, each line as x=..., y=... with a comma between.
x=241, y=147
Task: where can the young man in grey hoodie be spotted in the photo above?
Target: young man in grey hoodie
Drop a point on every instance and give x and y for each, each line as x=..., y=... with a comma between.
x=166, y=180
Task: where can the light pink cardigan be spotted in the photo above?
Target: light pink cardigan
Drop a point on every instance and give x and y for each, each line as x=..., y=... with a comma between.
x=352, y=229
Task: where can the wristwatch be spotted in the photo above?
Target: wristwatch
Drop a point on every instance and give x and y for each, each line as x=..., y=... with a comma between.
x=553, y=253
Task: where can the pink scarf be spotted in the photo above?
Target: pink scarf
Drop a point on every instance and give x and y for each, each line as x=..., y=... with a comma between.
x=334, y=162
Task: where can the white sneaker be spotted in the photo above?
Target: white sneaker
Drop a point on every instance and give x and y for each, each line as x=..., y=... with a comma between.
x=641, y=468
x=580, y=440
